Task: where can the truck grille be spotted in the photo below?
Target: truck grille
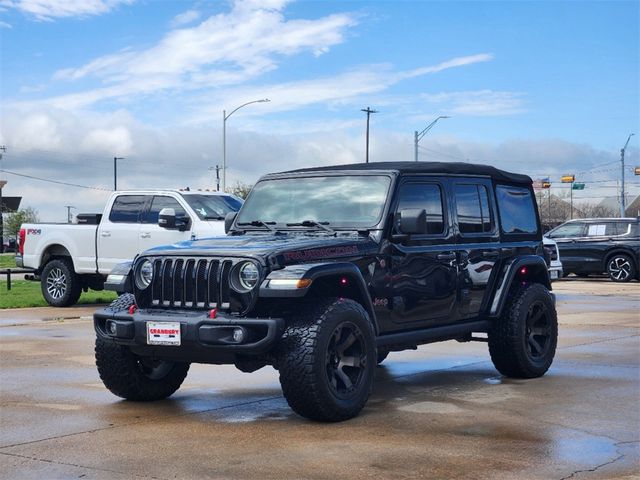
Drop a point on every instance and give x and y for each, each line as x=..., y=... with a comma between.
x=191, y=283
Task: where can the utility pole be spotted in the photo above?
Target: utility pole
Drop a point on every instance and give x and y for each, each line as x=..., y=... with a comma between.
x=622, y=199
x=2, y=184
x=217, y=169
x=69, y=217
x=368, y=111
x=418, y=136
x=115, y=172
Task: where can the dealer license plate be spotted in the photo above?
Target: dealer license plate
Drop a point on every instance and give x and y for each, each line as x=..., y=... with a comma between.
x=163, y=333
x=554, y=274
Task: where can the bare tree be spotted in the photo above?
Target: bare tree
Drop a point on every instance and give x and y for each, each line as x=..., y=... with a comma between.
x=240, y=189
x=595, y=210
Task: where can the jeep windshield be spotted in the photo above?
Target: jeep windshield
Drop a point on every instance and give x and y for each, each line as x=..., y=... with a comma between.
x=346, y=201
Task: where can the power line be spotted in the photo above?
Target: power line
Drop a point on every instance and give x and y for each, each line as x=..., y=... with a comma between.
x=54, y=181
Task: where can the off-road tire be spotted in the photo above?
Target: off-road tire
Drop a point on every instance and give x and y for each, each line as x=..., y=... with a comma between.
x=133, y=377
x=510, y=338
x=59, y=283
x=620, y=268
x=307, y=357
x=383, y=353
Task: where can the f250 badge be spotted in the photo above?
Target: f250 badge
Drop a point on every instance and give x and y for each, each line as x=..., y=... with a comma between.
x=34, y=231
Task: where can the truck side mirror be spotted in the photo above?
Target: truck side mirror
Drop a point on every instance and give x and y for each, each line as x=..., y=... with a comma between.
x=228, y=221
x=167, y=218
x=413, y=221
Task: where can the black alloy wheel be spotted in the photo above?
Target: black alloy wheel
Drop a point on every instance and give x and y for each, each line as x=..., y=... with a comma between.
x=538, y=331
x=346, y=360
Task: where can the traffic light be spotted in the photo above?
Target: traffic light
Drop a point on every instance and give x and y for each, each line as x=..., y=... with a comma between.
x=568, y=178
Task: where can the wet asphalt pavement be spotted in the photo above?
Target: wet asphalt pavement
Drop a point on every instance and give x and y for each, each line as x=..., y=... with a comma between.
x=439, y=412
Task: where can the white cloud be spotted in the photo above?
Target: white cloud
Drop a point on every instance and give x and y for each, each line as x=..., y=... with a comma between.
x=479, y=102
x=229, y=47
x=5, y=24
x=347, y=87
x=185, y=18
x=51, y=9
x=79, y=147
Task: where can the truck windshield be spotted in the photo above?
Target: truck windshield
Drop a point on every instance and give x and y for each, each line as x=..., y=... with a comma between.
x=212, y=207
x=355, y=201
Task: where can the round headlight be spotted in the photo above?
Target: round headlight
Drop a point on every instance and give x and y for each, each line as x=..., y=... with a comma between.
x=247, y=277
x=144, y=274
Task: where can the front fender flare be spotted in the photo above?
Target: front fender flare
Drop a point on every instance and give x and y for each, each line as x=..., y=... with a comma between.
x=311, y=272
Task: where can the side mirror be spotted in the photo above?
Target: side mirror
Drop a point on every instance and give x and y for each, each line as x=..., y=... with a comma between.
x=413, y=221
x=167, y=218
x=228, y=221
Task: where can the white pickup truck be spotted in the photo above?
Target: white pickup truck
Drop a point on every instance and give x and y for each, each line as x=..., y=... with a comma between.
x=70, y=258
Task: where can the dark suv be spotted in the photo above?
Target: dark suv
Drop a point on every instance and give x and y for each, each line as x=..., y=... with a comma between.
x=324, y=271
x=600, y=245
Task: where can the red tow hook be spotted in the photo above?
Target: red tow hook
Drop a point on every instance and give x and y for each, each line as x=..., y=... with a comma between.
x=213, y=313
x=132, y=309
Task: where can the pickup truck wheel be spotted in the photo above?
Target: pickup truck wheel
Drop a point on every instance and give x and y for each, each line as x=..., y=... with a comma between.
x=59, y=283
x=620, y=268
x=326, y=361
x=522, y=343
x=133, y=377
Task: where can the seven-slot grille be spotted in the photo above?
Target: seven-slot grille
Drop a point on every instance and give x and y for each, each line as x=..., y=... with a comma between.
x=191, y=283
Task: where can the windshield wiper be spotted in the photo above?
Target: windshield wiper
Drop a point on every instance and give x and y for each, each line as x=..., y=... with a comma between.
x=213, y=217
x=259, y=223
x=313, y=223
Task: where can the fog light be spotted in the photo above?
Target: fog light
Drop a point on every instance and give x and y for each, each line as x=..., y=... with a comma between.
x=111, y=328
x=238, y=335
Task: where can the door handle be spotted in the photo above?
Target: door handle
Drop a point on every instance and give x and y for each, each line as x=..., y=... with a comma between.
x=446, y=256
x=492, y=255
x=145, y=235
x=105, y=234
x=508, y=250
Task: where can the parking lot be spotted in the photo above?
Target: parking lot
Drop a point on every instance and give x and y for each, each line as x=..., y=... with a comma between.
x=439, y=412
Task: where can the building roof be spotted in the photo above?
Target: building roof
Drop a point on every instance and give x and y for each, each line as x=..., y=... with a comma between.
x=444, y=168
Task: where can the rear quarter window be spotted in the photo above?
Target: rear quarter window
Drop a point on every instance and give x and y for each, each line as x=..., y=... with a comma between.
x=517, y=210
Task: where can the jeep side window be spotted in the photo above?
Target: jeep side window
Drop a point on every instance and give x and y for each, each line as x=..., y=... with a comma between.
x=472, y=206
x=160, y=202
x=426, y=196
x=127, y=208
x=568, y=231
x=517, y=211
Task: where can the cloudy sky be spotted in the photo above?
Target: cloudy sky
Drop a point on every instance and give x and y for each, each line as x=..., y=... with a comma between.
x=544, y=88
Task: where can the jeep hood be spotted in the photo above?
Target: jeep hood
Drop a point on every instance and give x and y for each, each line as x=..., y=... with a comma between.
x=280, y=249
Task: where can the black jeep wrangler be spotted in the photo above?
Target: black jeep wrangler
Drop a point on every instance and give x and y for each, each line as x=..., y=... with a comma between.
x=324, y=271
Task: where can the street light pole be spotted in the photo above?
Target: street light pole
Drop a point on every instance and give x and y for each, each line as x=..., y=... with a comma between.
x=368, y=111
x=622, y=199
x=418, y=136
x=115, y=172
x=225, y=117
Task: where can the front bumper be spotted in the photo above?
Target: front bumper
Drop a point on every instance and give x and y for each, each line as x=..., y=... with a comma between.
x=203, y=340
x=555, y=272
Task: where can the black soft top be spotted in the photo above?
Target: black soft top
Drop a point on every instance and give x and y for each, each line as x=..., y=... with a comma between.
x=443, y=168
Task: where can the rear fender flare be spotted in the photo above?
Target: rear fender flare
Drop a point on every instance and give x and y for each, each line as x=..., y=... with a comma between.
x=536, y=271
